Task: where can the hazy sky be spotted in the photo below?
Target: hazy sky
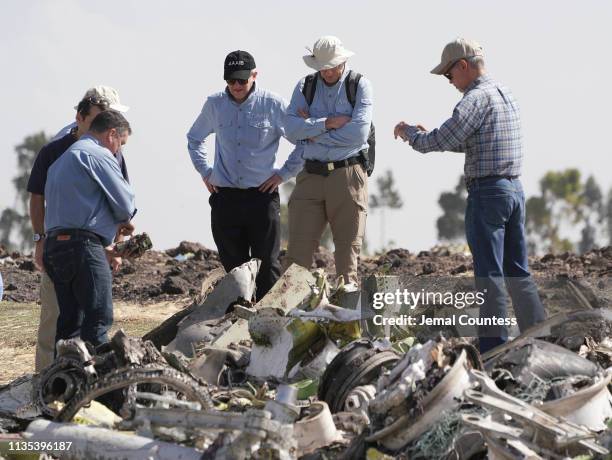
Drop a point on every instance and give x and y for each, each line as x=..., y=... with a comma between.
x=164, y=58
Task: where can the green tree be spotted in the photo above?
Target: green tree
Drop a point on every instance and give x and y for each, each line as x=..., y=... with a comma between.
x=593, y=214
x=608, y=217
x=451, y=224
x=561, y=200
x=15, y=221
x=388, y=198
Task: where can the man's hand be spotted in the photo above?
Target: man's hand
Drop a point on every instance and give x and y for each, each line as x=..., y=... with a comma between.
x=113, y=258
x=38, y=255
x=336, y=122
x=211, y=188
x=400, y=131
x=271, y=185
x=303, y=113
x=126, y=229
x=115, y=263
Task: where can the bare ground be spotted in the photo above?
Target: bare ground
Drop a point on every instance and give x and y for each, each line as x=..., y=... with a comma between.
x=19, y=325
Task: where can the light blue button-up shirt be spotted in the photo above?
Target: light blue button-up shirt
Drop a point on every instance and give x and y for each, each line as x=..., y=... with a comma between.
x=330, y=101
x=246, y=140
x=86, y=190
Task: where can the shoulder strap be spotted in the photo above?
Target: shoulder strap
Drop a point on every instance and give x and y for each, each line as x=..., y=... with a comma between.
x=310, y=85
x=352, y=82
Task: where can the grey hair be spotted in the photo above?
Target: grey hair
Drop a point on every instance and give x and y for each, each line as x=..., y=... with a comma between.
x=475, y=62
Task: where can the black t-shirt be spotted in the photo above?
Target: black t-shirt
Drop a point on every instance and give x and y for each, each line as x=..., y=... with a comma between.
x=47, y=156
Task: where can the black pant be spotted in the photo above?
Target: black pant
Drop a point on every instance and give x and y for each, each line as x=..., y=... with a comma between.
x=246, y=224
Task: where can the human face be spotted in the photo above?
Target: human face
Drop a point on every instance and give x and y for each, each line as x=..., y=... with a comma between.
x=458, y=75
x=83, y=123
x=114, y=140
x=239, y=89
x=331, y=76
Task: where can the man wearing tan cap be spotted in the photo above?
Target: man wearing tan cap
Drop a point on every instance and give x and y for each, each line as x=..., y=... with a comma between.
x=95, y=100
x=485, y=125
x=334, y=131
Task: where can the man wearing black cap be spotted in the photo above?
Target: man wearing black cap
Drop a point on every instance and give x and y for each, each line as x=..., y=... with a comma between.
x=245, y=207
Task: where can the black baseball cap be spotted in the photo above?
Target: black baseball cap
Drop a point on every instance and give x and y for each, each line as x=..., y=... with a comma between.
x=238, y=64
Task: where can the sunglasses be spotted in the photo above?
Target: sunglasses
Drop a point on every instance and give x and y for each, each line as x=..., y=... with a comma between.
x=448, y=74
x=99, y=101
x=240, y=81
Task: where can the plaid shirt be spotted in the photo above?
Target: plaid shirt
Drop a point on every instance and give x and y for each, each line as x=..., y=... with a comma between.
x=485, y=125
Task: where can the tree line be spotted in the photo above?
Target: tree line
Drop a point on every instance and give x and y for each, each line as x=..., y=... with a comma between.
x=566, y=205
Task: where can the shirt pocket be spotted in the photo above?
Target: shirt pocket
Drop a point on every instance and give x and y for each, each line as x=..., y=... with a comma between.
x=260, y=132
x=344, y=107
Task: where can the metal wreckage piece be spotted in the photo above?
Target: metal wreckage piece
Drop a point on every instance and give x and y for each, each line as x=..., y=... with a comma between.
x=135, y=246
x=256, y=429
x=202, y=325
x=296, y=341
x=547, y=435
x=76, y=378
x=378, y=397
x=105, y=444
x=424, y=386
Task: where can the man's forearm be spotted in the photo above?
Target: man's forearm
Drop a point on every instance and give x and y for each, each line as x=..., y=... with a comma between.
x=37, y=212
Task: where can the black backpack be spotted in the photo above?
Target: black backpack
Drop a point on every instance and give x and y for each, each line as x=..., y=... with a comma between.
x=368, y=156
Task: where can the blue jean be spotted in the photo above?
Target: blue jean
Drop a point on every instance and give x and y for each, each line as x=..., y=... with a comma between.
x=495, y=231
x=76, y=262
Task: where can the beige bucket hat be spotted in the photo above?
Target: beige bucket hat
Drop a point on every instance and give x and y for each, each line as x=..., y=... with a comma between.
x=459, y=48
x=109, y=94
x=327, y=52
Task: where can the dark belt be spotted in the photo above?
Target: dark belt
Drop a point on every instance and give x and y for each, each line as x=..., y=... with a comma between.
x=323, y=169
x=73, y=232
x=471, y=181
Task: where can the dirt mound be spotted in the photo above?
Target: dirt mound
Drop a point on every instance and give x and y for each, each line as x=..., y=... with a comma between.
x=156, y=276
x=178, y=272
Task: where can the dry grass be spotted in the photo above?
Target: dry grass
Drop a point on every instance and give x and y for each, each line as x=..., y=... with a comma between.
x=19, y=325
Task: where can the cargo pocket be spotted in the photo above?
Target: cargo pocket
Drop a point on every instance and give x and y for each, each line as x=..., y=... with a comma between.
x=358, y=185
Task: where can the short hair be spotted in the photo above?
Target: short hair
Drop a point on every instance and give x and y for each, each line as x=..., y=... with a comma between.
x=84, y=107
x=110, y=119
x=475, y=62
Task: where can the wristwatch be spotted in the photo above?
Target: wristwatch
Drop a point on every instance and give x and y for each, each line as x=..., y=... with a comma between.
x=37, y=237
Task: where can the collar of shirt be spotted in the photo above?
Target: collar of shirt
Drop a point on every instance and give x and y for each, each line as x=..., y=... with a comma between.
x=479, y=81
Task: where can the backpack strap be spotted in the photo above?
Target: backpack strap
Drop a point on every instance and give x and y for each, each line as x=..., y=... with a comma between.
x=310, y=85
x=352, y=82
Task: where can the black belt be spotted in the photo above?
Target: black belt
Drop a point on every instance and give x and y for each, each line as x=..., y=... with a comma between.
x=74, y=232
x=323, y=169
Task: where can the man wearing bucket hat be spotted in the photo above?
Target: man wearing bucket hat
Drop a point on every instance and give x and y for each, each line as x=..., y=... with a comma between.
x=485, y=125
x=95, y=100
x=334, y=132
x=248, y=123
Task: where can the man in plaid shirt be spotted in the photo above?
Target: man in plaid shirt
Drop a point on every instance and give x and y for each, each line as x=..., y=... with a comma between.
x=485, y=125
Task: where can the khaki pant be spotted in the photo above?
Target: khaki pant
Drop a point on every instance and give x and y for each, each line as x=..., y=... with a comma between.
x=49, y=311
x=341, y=198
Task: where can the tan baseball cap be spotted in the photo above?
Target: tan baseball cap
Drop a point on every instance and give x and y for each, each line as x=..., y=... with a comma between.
x=459, y=48
x=107, y=93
